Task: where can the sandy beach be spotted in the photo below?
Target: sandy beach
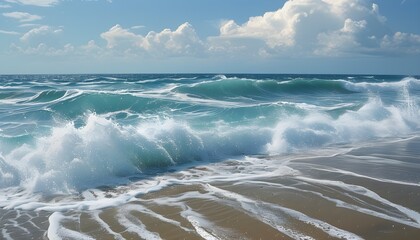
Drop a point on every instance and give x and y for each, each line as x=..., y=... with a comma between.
x=370, y=192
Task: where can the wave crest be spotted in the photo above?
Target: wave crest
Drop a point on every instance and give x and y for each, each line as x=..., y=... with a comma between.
x=101, y=149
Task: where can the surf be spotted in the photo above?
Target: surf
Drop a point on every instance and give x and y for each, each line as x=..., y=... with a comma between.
x=104, y=138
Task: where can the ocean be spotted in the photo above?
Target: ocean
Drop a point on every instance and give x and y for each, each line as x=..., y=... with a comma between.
x=207, y=156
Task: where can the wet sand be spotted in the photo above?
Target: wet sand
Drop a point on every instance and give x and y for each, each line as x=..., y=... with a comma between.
x=372, y=192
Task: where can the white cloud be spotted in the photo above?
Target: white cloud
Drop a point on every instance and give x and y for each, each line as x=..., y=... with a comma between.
x=182, y=41
x=401, y=42
x=40, y=3
x=45, y=50
x=91, y=46
x=37, y=34
x=315, y=28
x=137, y=27
x=30, y=25
x=282, y=28
x=117, y=36
x=342, y=40
x=91, y=49
x=9, y=32
x=22, y=16
x=351, y=26
x=5, y=6
x=325, y=27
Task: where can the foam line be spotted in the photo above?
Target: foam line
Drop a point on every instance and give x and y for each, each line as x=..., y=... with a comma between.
x=57, y=231
x=139, y=208
x=258, y=210
x=343, y=204
x=359, y=190
x=134, y=225
x=349, y=173
x=6, y=235
x=105, y=226
x=18, y=226
x=200, y=230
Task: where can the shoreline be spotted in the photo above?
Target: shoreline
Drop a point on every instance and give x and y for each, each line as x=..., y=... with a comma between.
x=351, y=195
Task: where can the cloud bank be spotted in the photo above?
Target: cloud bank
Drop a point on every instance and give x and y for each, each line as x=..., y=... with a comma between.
x=180, y=42
x=320, y=28
x=300, y=27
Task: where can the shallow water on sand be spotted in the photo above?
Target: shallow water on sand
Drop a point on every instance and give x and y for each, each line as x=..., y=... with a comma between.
x=368, y=192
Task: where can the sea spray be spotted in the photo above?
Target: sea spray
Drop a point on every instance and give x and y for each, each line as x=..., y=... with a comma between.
x=373, y=120
x=78, y=137
x=101, y=152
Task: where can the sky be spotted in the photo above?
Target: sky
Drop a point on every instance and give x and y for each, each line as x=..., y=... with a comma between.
x=210, y=36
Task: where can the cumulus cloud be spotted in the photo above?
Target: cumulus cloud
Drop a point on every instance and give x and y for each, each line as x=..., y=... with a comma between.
x=322, y=27
x=22, y=16
x=40, y=3
x=401, y=42
x=118, y=36
x=40, y=34
x=182, y=41
x=286, y=26
x=91, y=47
x=334, y=42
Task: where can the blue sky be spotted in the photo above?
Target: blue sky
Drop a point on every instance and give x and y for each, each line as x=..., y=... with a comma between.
x=210, y=36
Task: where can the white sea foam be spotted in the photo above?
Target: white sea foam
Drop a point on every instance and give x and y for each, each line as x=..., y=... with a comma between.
x=404, y=215
x=102, y=152
x=220, y=76
x=56, y=230
x=373, y=120
x=408, y=82
x=77, y=158
x=134, y=225
x=197, y=223
x=250, y=170
x=276, y=216
x=95, y=161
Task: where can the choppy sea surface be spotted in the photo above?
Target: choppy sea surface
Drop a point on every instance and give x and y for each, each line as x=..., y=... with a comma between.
x=72, y=147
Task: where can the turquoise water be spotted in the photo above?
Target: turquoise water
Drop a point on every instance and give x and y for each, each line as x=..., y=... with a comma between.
x=62, y=134
x=179, y=156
